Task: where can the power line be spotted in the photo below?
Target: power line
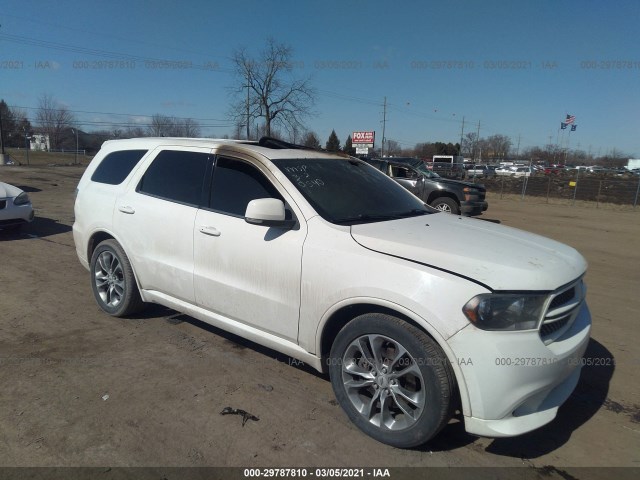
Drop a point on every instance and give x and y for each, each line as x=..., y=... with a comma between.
x=124, y=114
x=106, y=35
x=190, y=65
x=135, y=124
x=108, y=54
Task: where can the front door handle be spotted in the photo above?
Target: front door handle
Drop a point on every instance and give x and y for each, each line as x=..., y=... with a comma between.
x=127, y=209
x=214, y=232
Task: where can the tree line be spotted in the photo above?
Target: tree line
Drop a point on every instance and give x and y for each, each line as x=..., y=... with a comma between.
x=60, y=124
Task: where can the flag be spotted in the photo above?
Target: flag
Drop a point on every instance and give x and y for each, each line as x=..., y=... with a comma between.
x=563, y=125
x=573, y=128
x=570, y=119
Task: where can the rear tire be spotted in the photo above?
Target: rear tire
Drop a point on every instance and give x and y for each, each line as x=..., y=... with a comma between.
x=113, y=282
x=392, y=380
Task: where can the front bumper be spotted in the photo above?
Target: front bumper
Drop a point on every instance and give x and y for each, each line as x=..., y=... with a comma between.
x=11, y=215
x=473, y=208
x=516, y=383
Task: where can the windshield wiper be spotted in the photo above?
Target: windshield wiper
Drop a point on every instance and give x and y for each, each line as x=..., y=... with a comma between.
x=364, y=218
x=413, y=213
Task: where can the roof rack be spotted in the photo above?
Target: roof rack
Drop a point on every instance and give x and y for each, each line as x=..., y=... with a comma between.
x=277, y=144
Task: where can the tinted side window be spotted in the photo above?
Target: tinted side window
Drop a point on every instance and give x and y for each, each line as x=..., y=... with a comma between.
x=115, y=167
x=176, y=176
x=235, y=184
x=402, y=172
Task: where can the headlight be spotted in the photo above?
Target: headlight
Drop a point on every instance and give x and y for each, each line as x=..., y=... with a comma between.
x=505, y=311
x=21, y=199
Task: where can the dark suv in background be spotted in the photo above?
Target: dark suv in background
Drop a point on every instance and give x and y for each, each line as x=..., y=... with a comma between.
x=444, y=194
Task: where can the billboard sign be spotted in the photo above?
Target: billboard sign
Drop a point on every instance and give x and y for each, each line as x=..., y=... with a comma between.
x=363, y=138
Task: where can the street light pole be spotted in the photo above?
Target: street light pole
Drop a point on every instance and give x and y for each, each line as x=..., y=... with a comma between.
x=26, y=143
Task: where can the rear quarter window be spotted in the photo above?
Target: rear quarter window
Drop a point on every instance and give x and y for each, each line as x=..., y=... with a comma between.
x=116, y=166
x=177, y=176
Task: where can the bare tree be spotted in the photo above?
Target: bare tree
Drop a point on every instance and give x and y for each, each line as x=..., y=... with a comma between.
x=393, y=148
x=161, y=126
x=53, y=119
x=164, y=126
x=190, y=128
x=238, y=131
x=268, y=90
x=496, y=146
x=134, y=131
x=471, y=146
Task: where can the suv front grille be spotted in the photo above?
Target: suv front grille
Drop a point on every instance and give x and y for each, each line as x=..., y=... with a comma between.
x=562, y=311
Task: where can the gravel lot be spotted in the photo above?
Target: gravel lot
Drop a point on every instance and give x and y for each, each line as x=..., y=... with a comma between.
x=80, y=388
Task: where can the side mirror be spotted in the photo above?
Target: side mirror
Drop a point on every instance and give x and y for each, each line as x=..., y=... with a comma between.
x=268, y=212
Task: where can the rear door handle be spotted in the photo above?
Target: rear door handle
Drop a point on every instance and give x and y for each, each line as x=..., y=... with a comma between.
x=127, y=209
x=214, y=232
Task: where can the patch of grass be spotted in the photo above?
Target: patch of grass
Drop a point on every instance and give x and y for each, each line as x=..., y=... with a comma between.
x=19, y=155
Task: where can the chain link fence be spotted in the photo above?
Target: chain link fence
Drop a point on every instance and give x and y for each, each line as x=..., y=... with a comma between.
x=600, y=190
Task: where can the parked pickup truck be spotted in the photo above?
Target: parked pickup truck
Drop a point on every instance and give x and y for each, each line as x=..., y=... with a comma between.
x=447, y=195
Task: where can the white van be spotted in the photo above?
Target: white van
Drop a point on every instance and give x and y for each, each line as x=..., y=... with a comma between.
x=449, y=166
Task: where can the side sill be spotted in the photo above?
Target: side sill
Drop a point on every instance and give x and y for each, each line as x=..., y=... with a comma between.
x=242, y=330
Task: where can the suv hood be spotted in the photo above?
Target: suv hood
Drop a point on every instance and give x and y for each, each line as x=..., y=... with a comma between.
x=449, y=181
x=499, y=257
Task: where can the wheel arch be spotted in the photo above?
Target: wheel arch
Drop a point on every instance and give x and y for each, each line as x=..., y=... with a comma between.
x=439, y=194
x=343, y=313
x=96, y=239
x=100, y=236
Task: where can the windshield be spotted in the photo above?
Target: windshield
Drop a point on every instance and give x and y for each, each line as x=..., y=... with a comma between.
x=348, y=191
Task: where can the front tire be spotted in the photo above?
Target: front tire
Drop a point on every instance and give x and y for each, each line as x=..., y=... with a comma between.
x=392, y=380
x=112, y=280
x=446, y=204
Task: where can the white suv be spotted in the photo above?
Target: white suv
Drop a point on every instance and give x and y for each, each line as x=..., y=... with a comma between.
x=326, y=259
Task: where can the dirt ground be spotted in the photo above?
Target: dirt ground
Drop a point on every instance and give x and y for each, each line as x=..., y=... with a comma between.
x=80, y=388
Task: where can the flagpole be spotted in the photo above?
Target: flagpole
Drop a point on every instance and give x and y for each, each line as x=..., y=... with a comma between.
x=555, y=150
x=567, y=150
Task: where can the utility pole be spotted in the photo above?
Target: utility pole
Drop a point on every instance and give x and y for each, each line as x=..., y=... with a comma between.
x=384, y=126
x=461, y=135
x=1, y=135
x=26, y=143
x=478, y=140
x=518, y=148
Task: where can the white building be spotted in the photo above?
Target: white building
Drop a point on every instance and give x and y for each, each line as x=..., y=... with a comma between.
x=633, y=163
x=40, y=142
